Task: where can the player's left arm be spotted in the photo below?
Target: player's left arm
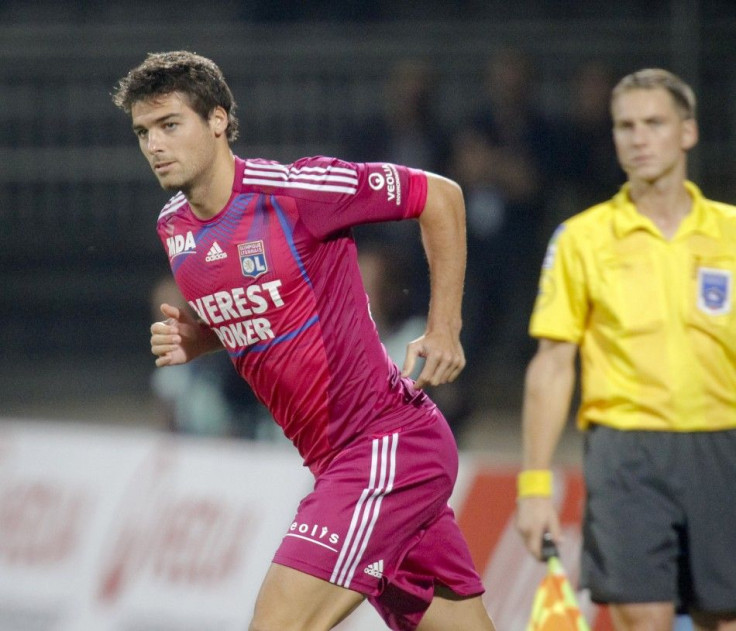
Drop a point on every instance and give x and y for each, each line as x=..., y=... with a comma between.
x=442, y=224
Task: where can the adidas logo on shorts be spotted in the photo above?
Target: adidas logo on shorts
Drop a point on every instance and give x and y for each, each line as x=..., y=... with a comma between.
x=375, y=569
x=215, y=254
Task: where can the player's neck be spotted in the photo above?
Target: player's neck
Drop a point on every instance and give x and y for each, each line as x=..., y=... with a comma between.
x=211, y=192
x=665, y=201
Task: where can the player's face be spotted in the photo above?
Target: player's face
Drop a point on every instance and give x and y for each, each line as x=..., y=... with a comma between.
x=177, y=142
x=650, y=135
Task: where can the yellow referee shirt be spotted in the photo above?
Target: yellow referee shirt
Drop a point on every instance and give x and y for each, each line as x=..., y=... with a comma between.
x=655, y=319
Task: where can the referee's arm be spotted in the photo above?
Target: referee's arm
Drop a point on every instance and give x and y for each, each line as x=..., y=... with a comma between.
x=548, y=388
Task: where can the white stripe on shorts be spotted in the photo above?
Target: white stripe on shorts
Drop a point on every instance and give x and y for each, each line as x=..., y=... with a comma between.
x=383, y=470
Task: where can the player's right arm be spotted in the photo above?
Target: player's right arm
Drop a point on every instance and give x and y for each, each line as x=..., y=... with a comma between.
x=180, y=338
x=548, y=388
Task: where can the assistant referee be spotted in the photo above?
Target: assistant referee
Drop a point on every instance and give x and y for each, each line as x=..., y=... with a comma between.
x=642, y=287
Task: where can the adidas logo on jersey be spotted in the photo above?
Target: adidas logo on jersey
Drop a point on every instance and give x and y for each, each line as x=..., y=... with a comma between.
x=375, y=569
x=215, y=254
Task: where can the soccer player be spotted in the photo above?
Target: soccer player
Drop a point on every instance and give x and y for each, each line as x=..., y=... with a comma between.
x=263, y=254
x=642, y=285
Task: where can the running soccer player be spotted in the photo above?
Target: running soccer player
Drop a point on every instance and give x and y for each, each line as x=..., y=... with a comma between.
x=264, y=255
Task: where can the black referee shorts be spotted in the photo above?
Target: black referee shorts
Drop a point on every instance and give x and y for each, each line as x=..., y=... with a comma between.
x=660, y=518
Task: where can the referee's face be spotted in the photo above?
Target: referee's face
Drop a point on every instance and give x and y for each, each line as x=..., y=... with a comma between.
x=177, y=142
x=651, y=137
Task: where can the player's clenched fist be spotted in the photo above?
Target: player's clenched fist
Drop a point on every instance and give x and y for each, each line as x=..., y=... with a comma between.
x=180, y=338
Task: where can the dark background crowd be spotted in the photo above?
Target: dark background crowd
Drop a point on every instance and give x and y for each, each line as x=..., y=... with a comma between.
x=508, y=99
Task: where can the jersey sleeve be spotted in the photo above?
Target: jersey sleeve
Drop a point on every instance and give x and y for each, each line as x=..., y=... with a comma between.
x=368, y=193
x=561, y=307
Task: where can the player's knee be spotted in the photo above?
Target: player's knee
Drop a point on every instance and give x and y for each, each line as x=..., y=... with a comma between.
x=268, y=619
x=263, y=623
x=282, y=620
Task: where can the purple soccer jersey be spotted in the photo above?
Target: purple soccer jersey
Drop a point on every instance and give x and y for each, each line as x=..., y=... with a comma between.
x=275, y=275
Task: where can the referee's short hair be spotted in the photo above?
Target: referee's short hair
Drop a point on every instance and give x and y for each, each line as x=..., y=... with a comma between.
x=651, y=78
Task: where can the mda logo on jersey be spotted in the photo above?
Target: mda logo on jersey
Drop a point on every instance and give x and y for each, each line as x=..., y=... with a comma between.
x=252, y=258
x=180, y=244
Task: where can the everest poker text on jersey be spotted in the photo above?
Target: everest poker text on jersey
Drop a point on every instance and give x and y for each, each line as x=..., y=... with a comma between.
x=240, y=302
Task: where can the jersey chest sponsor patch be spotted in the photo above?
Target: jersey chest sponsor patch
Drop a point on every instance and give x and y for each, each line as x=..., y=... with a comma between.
x=181, y=244
x=715, y=288
x=253, y=261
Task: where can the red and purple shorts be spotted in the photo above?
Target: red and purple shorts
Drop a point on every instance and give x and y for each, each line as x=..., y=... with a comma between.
x=377, y=522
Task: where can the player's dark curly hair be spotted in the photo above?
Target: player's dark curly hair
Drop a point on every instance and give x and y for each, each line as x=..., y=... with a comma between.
x=195, y=77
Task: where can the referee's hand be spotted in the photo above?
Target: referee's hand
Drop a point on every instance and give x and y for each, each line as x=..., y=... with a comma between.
x=534, y=517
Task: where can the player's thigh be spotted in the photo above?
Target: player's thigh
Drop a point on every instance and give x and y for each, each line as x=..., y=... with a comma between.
x=636, y=616
x=290, y=600
x=714, y=622
x=451, y=613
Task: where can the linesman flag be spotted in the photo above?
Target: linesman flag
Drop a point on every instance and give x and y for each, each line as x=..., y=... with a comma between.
x=555, y=607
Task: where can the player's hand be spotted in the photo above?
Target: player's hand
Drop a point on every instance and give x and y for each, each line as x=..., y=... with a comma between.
x=176, y=339
x=534, y=517
x=443, y=356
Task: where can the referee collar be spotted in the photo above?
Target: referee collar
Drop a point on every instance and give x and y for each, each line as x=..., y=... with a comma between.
x=628, y=219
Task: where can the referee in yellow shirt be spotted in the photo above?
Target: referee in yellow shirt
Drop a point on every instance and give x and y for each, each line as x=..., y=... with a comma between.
x=643, y=286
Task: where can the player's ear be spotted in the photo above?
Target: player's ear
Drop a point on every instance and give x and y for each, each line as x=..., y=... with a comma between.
x=689, y=134
x=218, y=120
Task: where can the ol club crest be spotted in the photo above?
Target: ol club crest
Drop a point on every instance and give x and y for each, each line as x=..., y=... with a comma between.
x=252, y=259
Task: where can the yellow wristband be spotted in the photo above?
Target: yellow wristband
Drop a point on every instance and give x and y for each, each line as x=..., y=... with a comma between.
x=534, y=483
